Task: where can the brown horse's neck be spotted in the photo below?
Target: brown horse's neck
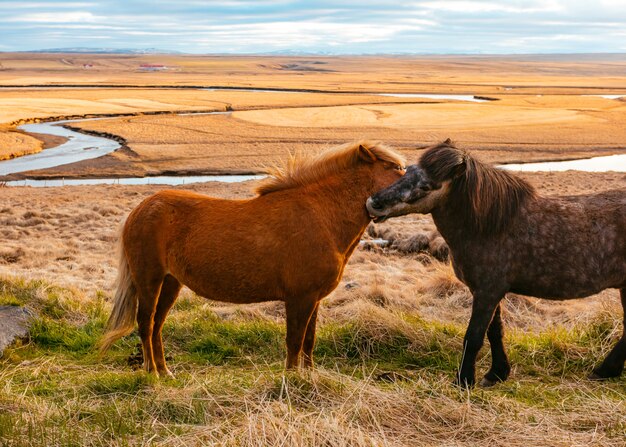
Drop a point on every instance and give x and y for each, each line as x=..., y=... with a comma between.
x=342, y=202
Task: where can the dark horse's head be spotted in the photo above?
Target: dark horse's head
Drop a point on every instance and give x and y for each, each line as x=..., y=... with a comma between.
x=482, y=196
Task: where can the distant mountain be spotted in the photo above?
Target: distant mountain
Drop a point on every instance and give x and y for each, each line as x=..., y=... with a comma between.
x=85, y=50
x=296, y=53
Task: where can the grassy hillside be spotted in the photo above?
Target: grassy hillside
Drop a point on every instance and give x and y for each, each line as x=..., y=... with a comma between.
x=383, y=378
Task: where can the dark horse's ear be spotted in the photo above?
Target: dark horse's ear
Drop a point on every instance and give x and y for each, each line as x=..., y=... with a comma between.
x=366, y=154
x=461, y=167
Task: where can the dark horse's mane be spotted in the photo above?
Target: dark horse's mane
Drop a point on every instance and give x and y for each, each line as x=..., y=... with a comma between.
x=487, y=197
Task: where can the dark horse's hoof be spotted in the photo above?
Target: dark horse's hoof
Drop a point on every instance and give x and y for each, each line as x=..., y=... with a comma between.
x=604, y=372
x=491, y=378
x=488, y=383
x=595, y=376
x=464, y=383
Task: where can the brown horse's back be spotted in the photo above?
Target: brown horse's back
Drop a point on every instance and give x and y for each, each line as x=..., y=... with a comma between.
x=183, y=233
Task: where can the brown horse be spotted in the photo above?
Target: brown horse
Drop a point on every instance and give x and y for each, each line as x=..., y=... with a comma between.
x=290, y=243
x=504, y=237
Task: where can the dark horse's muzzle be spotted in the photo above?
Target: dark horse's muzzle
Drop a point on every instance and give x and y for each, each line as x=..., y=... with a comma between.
x=411, y=187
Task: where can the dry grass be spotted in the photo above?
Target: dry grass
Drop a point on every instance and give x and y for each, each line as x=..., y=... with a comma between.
x=24, y=104
x=514, y=128
x=383, y=378
x=15, y=144
x=540, y=114
x=389, y=342
x=454, y=74
x=27, y=105
x=245, y=141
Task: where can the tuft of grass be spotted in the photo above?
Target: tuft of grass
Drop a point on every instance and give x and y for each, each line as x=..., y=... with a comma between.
x=113, y=383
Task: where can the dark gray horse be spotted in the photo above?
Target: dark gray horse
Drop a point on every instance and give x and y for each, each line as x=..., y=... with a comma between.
x=504, y=237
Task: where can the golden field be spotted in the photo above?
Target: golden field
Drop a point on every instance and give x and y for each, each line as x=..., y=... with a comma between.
x=18, y=106
x=390, y=334
x=518, y=129
x=541, y=111
x=434, y=74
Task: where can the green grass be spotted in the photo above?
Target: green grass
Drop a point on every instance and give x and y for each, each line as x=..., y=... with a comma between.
x=230, y=386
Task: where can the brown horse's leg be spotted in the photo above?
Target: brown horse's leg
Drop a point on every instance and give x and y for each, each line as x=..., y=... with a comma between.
x=299, y=313
x=167, y=297
x=148, y=294
x=500, y=367
x=309, y=339
x=483, y=308
x=613, y=364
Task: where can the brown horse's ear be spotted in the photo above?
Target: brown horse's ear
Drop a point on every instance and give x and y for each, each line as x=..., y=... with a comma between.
x=366, y=154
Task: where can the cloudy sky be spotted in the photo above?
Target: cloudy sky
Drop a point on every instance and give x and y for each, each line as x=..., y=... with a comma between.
x=363, y=26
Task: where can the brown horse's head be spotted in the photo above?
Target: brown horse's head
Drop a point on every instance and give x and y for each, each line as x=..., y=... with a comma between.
x=372, y=164
x=385, y=166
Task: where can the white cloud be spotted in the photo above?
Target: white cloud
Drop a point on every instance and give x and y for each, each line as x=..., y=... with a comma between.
x=290, y=33
x=360, y=26
x=55, y=17
x=45, y=5
x=483, y=6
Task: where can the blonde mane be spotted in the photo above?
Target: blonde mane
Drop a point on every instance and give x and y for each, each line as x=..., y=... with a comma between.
x=299, y=169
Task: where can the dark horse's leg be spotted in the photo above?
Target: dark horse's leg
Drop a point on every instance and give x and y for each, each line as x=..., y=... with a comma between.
x=299, y=311
x=613, y=364
x=309, y=339
x=500, y=367
x=169, y=293
x=483, y=308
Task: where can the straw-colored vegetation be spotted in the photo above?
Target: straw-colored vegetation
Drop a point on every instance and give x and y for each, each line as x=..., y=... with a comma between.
x=540, y=113
x=454, y=74
x=383, y=377
x=514, y=129
x=15, y=144
x=389, y=343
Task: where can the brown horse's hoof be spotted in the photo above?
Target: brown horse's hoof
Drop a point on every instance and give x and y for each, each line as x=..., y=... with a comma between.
x=166, y=374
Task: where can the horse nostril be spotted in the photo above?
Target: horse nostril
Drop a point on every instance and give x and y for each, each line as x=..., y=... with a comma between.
x=373, y=205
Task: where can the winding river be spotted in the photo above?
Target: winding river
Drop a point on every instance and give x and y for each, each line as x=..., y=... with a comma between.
x=78, y=147
x=616, y=163
x=83, y=147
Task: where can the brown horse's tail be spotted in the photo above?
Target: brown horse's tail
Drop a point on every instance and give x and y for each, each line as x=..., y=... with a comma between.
x=124, y=313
